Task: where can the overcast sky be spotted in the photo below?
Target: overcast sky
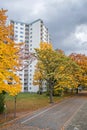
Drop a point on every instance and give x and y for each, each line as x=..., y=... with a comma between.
x=66, y=20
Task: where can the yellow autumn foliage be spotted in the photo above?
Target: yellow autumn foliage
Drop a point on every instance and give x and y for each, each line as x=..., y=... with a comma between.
x=45, y=46
x=9, y=58
x=59, y=70
x=81, y=60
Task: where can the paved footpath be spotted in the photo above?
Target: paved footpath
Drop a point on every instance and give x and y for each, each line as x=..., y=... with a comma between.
x=79, y=121
x=56, y=117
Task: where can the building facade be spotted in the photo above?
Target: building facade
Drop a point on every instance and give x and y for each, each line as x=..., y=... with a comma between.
x=31, y=34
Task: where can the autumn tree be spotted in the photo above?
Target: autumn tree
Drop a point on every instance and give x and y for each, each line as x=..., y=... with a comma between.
x=9, y=58
x=59, y=71
x=48, y=57
x=67, y=74
x=81, y=60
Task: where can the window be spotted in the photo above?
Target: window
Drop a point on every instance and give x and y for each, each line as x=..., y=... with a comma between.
x=41, y=25
x=26, y=70
x=30, y=40
x=25, y=84
x=26, y=25
x=30, y=32
x=30, y=65
x=26, y=41
x=26, y=46
x=21, y=32
x=27, y=33
x=16, y=27
x=41, y=30
x=20, y=74
x=26, y=37
x=21, y=36
x=16, y=31
x=27, y=29
x=21, y=40
x=16, y=35
x=21, y=28
x=30, y=48
x=25, y=75
x=25, y=88
x=21, y=24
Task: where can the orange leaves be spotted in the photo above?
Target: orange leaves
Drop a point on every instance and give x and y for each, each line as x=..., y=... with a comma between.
x=3, y=18
x=81, y=60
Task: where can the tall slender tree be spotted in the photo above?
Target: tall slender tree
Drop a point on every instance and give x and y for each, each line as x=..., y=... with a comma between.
x=9, y=58
x=9, y=61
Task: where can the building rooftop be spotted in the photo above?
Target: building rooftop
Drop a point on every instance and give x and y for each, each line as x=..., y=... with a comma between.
x=27, y=23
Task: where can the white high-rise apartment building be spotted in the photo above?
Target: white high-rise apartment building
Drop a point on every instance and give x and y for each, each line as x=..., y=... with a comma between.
x=31, y=34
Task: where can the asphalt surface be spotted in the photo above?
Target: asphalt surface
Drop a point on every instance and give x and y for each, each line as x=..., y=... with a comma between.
x=55, y=117
x=79, y=120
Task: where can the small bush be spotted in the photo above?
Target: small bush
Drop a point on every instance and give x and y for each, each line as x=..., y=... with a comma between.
x=59, y=92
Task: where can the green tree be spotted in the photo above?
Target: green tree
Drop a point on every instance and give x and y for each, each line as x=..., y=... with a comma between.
x=9, y=60
x=59, y=71
x=81, y=60
x=48, y=57
x=67, y=74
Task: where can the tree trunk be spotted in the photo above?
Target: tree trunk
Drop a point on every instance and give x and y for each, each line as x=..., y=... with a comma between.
x=2, y=100
x=15, y=107
x=40, y=89
x=51, y=94
x=76, y=90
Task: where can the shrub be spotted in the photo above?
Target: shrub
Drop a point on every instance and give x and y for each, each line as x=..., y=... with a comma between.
x=59, y=91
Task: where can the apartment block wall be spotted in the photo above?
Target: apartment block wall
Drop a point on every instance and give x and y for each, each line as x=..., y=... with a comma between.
x=31, y=34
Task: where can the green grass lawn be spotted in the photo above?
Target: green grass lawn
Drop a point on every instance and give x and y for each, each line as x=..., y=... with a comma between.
x=28, y=102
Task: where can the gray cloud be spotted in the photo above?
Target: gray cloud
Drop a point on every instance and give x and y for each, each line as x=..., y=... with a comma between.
x=62, y=17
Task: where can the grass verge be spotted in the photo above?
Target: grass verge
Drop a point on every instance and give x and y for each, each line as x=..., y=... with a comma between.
x=26, y=102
